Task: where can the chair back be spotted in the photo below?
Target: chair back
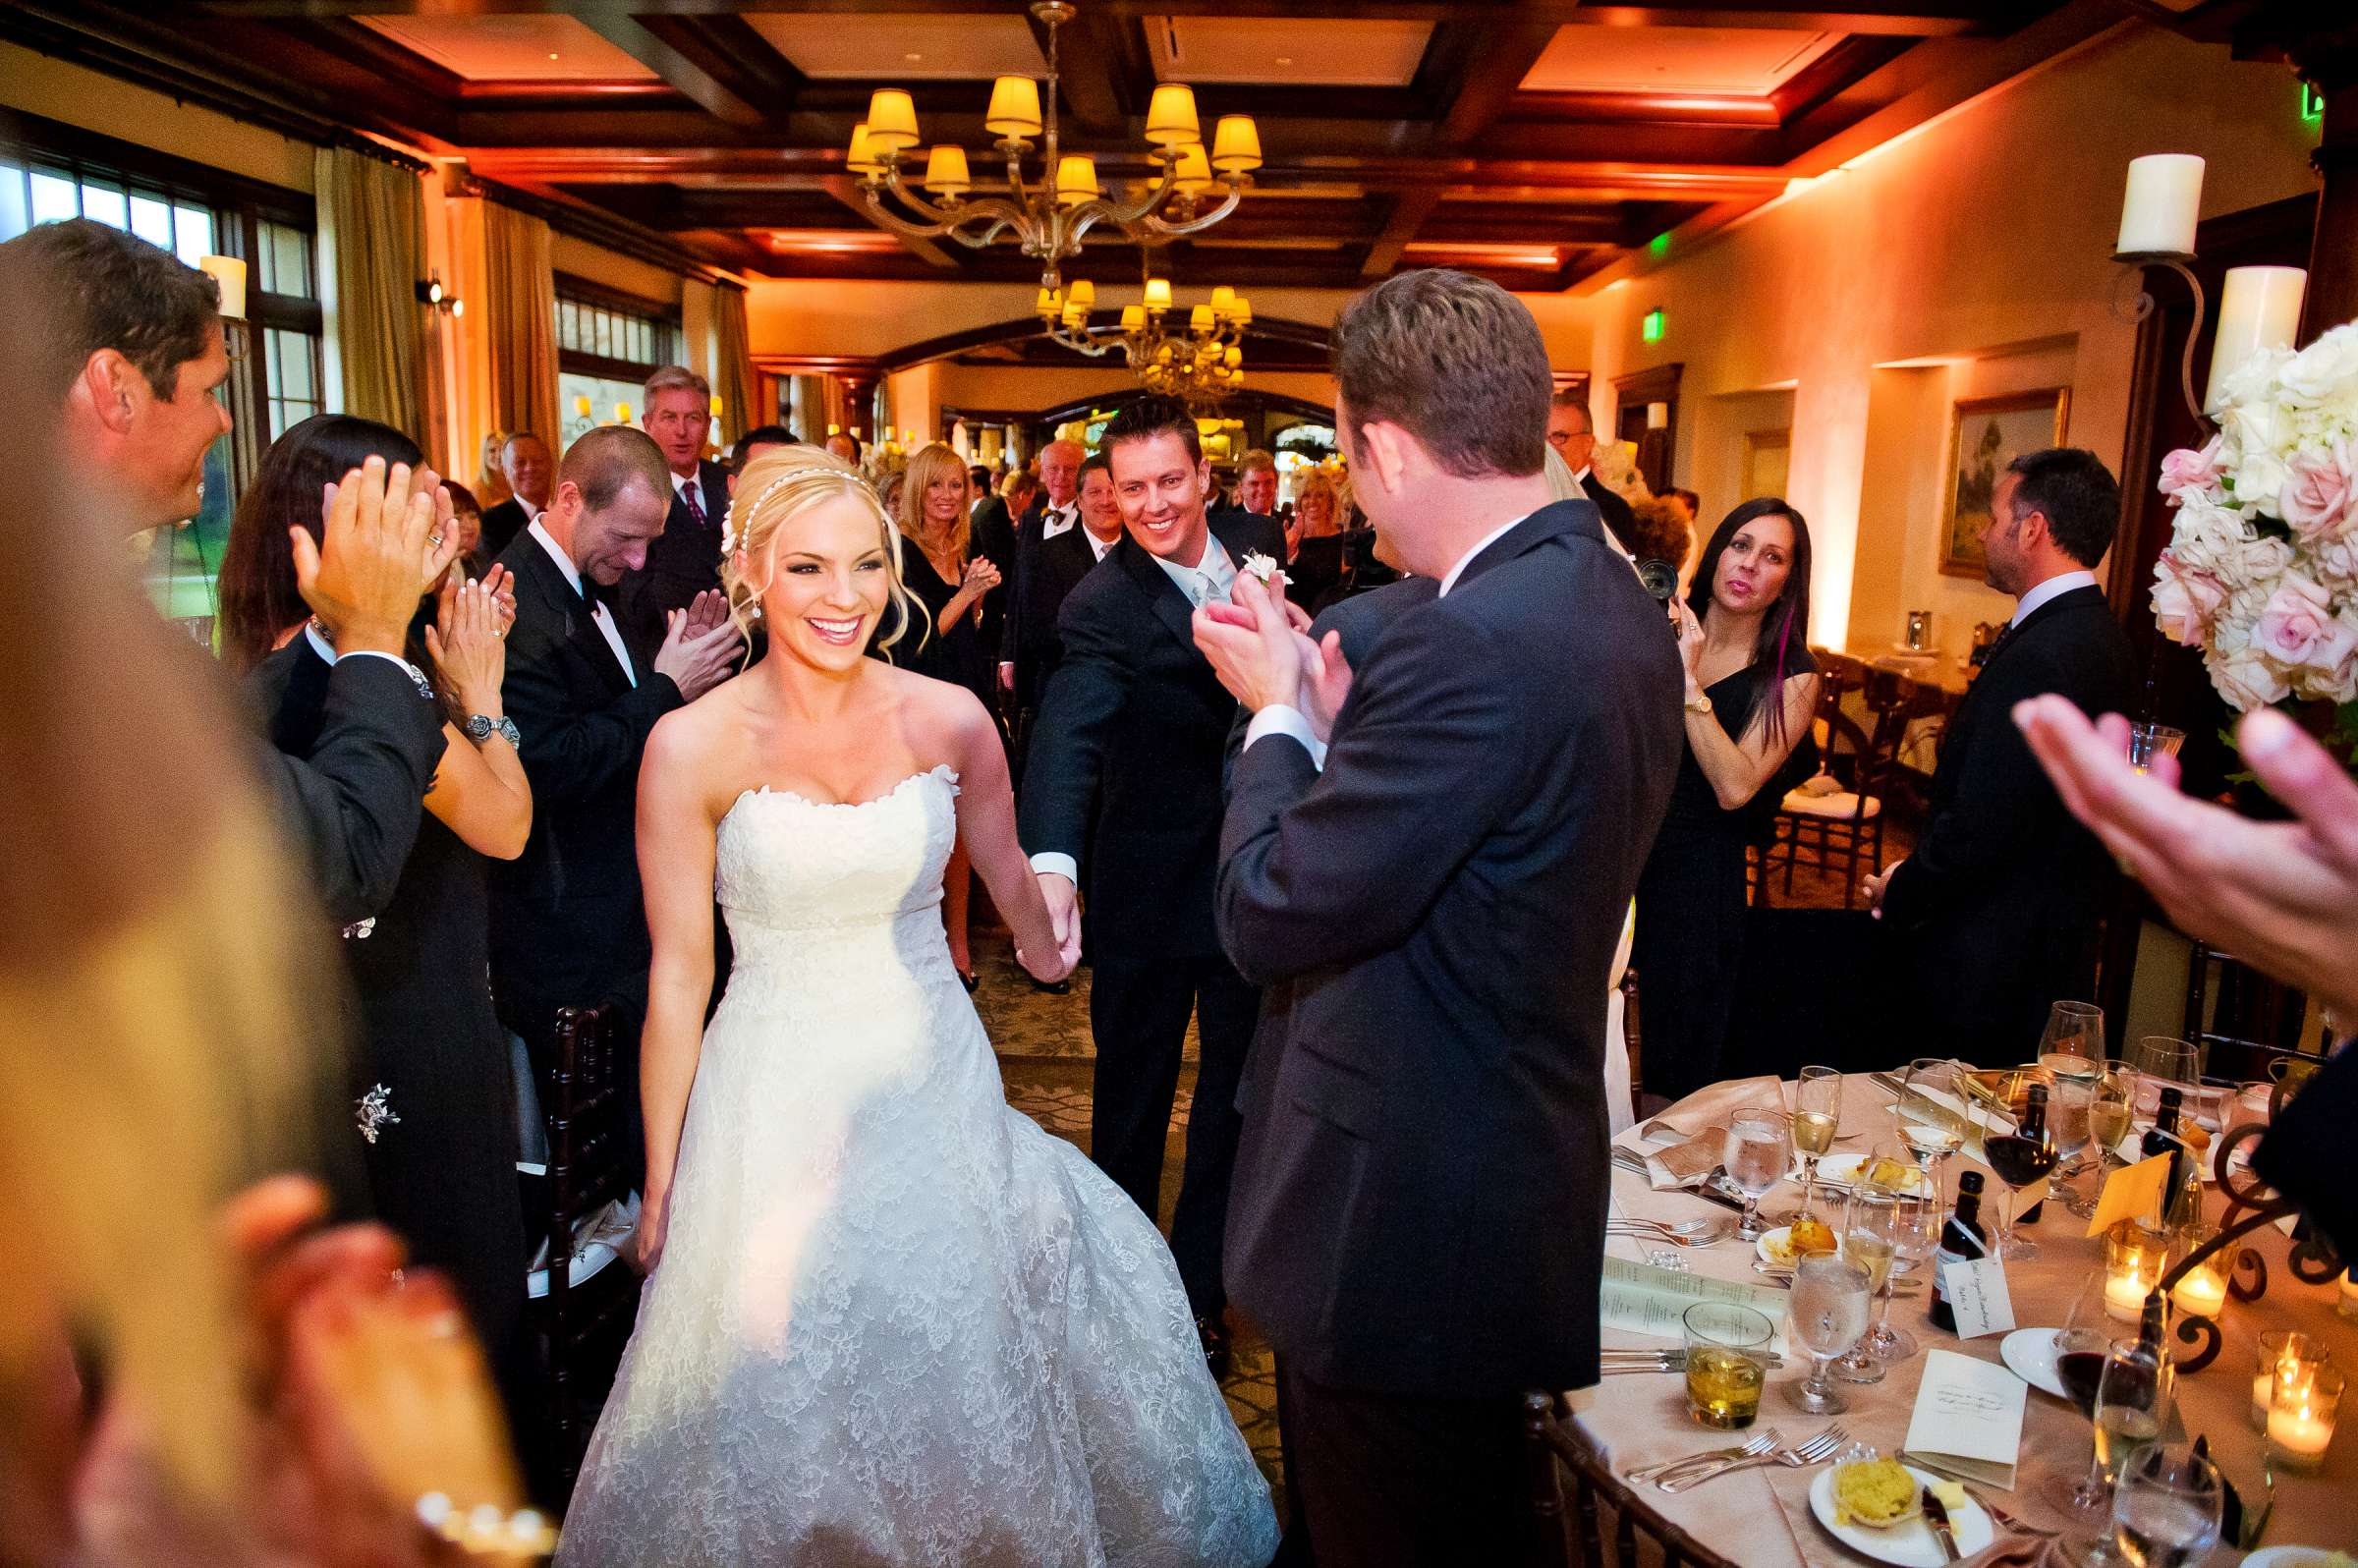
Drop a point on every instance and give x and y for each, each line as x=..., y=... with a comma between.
x=588, y=1103
x=1608, y=1525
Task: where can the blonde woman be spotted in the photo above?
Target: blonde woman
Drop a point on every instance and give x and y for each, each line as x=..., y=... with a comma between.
x=491, y=484
x=888, y=1319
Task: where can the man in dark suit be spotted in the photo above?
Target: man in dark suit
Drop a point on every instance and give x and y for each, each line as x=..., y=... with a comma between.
x=1122, y=797
x=1419, y=1220
x=567, y=925
x=1255, y=486
x=1573, y=434
x=1028, y=640
x=1054, y=510
x=1996, y=909
x=525, y=462
x=685, y=560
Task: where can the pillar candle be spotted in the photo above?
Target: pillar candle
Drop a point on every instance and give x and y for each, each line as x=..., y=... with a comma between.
x=2259, y=309
x=2158, y=211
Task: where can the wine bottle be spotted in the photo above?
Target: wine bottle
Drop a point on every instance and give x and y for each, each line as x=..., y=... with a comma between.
x=2034, y=1127
x=1962, y=1240
x=2163, y=1139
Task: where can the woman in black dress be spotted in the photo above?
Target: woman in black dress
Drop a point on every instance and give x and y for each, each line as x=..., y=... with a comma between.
x=934, y=520
x=1750, y=689
x=431, y=1097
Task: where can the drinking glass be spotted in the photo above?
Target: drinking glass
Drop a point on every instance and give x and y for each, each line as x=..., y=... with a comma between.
x=2148, y=740
x=1756, y=1154
x=1915, y=1238
x=2159, y=1059
x=1873, y=1226
x=2020, y=1159
x=2080, y=1349
x=2110, y=1111
x=1931, y=1127
x=2166, y=1507
x=1727, y=1357
x=1830, y=1313
x=1816, y=1123
x=2132, y=1407
x=2067, y=1118
x=2074, y=1042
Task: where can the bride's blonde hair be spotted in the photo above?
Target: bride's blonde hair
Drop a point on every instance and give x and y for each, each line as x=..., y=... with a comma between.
x=784, y=483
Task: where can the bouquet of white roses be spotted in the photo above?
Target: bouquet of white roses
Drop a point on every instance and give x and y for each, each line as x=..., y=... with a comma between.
x=2262, y=569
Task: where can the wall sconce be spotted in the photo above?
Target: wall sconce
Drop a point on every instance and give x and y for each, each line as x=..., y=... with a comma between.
x=228, y=277
x=433, y=296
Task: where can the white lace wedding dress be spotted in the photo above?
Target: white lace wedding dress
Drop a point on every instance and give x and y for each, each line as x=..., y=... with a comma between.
x=895, y=1322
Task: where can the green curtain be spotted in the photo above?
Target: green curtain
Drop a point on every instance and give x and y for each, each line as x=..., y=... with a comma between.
x=373, y=245
x=733, y=360
x=521, y=320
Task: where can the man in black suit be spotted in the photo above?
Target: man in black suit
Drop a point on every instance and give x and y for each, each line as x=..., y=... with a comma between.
x=1255, y=486
x=1122, y=797
x=1573, y=434
x=525, y=462
x=1028, y=640
x=1419, y=1220
x=567, y=925
x=1996, y=909
x=1053, y=511
x=685, y=560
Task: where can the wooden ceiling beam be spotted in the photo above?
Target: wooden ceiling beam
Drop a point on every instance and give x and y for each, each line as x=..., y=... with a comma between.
x=1493, y=74
x=614, y=21
x=1410, y=210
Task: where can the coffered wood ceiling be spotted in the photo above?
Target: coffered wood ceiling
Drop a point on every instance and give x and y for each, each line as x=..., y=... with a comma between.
x=1538, y=142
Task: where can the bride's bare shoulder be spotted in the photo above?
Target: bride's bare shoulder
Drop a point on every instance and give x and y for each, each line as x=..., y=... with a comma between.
x=698, y=745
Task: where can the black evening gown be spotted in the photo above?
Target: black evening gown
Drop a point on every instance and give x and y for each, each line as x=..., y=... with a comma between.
x=1689, y=947
x=959, y=654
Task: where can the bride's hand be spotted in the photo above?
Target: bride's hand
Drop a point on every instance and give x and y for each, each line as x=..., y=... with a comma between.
x=1056, y=965
x=654, y=1218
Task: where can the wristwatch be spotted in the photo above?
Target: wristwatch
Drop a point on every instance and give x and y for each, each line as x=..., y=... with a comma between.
x=1700, y=703
x=481, y=729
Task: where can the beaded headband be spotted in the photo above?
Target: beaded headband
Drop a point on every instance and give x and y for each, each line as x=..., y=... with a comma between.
x=729, y=536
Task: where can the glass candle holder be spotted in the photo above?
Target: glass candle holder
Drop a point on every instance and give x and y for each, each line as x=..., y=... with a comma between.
x=2136, y=1256
x=2203, y=1289
x=1728, y=1362
x=2300, y=1418
x=2283, y=1352
x=2348, y=1305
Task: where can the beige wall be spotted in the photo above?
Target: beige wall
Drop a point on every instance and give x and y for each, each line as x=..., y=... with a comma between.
x=599, y=264
x=1988, y=229
x=38, y=85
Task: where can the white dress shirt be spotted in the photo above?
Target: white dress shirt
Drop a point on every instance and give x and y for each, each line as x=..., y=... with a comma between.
x=532, y=509
x=1056, y=519
x=2055, y=587
x=327, y=653
x=599, y=614
x=1100, y=548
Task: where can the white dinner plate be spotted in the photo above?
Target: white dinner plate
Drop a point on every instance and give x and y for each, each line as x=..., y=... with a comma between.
x=1843, y=1170
x=2029, y=1353
x=1910, y=1544
x=2294, y=1557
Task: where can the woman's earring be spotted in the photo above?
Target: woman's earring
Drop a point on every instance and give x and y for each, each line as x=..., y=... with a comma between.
x=752, y=611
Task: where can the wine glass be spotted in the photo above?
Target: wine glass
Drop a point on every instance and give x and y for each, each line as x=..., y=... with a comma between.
x=1757, y=1152
x=2164, y=1060
x=1915, y=1238
x=2132, y=1407
x=1828, y=1308
x=2110, y=1109
x=2020, y=1148
x=2166, y=1508
x=1929, y=1125
x=2073, y=1045
x=1816, y=1122
x=2067, y=1118
x=1873, y=1226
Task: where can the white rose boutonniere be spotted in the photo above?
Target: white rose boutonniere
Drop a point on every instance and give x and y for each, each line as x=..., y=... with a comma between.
x=1260, y=566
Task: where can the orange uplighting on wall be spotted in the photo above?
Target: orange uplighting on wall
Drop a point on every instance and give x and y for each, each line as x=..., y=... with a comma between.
x=831, y=242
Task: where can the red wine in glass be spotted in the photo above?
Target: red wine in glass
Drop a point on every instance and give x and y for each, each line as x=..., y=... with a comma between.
x=2080, y=1371
x=2019, y=1161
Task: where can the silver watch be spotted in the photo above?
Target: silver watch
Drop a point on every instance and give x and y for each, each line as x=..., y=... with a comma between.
x=481, y=729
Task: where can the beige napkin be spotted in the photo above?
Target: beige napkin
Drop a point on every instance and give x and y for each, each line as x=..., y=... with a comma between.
x=1686, y=1164
x=1709, y=1108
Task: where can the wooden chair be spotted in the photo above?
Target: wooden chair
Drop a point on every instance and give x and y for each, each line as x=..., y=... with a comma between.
x=1846, y=827
x=2249, y=1020
x=587, y=1101
x=1604, y=1512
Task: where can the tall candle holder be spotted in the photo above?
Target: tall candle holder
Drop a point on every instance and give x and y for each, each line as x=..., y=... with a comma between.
x=2137, y=308
x=2250, y=1206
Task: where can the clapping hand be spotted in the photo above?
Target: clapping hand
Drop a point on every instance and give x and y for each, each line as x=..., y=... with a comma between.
x=697, y=660
x=707, y=611
x=466, y=642
x=1266, y=658
x=362, y=576
x=2282, y=896
x=981, y=575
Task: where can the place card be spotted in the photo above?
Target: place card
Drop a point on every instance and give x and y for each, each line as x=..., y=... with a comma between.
x=1643, y=1299
x=1968, y=1420
x=2132, y=1191
x=1975, y=1288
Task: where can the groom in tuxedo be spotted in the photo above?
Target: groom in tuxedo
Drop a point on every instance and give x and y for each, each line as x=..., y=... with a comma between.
x=1122, y=798
x=1434, y=849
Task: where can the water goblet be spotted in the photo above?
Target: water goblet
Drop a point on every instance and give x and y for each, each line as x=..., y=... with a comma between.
x=2166, y=1507
x=2067, y=1118
x=1915, y=1230
x=1928, y=1125
x=1828, y=1308
x=1755, y=1153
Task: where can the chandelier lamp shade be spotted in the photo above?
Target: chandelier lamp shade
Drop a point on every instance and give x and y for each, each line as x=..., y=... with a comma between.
x=1047, y=215
x=1199, y=364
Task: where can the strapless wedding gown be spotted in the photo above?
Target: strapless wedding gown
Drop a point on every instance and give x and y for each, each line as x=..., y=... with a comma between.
x=895, y=1322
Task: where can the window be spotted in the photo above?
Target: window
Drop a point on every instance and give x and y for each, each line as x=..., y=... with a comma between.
x=49, y=172
x=608, y=344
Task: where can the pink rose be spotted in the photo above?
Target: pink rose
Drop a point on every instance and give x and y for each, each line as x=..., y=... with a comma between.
x=2188, y=469
x=2185, y=601
x=2319, y=493
x=2299, y=630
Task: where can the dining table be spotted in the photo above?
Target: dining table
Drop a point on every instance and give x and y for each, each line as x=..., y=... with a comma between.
x=1761, y=1516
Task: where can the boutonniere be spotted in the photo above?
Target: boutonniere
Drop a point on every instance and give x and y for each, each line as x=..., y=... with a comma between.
x=1260, y=566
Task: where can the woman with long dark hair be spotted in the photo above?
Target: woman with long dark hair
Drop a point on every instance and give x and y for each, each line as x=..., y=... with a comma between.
x=1750, y=691
x=432, y=1089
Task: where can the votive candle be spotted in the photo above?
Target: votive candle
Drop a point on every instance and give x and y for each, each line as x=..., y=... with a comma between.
x=2135, y=1259
x=2300, y=1418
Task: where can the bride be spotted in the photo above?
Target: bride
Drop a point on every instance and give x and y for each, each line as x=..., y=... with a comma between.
x=887, y=1319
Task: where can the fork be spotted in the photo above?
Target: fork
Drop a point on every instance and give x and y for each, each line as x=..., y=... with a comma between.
x=1816, y=1450
x=1761, y=1442
x=2006, y=1520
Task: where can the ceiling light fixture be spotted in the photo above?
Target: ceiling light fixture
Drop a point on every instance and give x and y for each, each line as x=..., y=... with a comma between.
x=1200, y=366
x=1048, y=218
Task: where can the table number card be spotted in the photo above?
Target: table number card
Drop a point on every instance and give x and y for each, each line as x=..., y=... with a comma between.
x=1968, y=1420
x=2130, y=1193
x=1975, y=1288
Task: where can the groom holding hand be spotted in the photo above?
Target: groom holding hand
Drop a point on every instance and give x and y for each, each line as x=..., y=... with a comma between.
x=1436, y=849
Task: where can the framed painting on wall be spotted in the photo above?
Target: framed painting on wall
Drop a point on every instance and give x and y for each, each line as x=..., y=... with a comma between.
x=1985, y=434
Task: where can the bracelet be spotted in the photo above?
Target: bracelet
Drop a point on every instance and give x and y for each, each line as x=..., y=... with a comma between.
x=486, y=1529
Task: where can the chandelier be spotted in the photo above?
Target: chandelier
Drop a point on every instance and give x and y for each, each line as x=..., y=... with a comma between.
x=1199, y=366
x=1048, y=216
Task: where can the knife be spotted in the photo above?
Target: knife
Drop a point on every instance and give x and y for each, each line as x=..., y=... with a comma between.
x=1937, y=1513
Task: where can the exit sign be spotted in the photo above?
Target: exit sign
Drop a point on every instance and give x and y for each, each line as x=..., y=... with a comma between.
x=2313, y=105
x=1654, y=327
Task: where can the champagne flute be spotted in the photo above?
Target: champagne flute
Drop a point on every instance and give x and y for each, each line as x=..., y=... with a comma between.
x=2020, y=1153
x=1915, y=1228
x=2166, y=1508
x=1828, y=1308
x=1930, y=1128
x=2067, y=1116
x=1757, y=1152
x=1871, y=1228
x=1816, y=1123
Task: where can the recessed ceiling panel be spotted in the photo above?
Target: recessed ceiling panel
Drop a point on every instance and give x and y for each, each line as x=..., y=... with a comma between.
x=1749, y=62
x=1312, y=52
x=901, y=48
x=513, y=48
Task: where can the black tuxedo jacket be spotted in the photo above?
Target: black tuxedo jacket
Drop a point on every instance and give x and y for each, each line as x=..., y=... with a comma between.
x=1421, y=1191
x=1124, y=770
x=1620, y=518
x=682, y=562
x=568, y=927
x=1997, y=905
x=992, y=535
x=501, y=525
x=1053, y=569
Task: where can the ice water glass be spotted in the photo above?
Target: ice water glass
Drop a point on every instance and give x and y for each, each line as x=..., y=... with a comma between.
x=1828, y=1308
x=2148, y=740
x=2166, y=1507
x=1728, y=1362
x=1757, y=1152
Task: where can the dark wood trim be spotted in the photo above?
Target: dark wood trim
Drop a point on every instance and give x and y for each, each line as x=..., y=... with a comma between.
x=35, y=136
x=572, y=286
x=606, y=367
x=1658, y=384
